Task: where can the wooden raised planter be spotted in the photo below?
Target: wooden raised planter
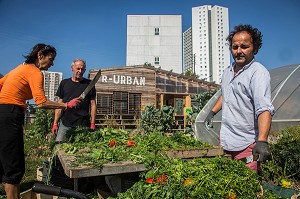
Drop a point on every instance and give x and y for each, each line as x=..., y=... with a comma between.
x=128, y=166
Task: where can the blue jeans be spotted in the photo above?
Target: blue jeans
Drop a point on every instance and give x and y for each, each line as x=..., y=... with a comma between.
x=62, y=133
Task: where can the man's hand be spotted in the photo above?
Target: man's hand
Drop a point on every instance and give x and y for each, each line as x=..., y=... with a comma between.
x=54, y=128
x=262, y=149
x=73, y=103
x=208, y=122
x=93, y=127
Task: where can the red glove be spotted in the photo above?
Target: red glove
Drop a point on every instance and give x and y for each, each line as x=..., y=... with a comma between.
x=73, y=103
x=54, y=128
x=93, y=126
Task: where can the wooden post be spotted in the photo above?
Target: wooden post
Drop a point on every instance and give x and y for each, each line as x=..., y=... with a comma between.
x=188, y=101
x=161, y=100
x=188, y=104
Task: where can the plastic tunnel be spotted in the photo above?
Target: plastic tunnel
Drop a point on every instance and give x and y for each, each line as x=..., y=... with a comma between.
x=285, y=85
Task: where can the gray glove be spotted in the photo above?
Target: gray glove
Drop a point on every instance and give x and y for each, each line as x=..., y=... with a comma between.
x=261, y=149
x=208, y=121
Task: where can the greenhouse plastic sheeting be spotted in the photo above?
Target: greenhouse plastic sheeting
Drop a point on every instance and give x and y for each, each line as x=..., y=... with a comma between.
x=280, y=191
x=202, y=132
x=285, y=85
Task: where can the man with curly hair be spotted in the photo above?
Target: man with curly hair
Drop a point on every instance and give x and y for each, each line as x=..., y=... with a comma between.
x=245, y=100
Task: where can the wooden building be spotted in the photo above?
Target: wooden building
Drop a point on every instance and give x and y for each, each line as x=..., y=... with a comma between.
x=123, y=92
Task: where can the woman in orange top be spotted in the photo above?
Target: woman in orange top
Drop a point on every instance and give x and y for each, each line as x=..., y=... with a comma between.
x=20, y=84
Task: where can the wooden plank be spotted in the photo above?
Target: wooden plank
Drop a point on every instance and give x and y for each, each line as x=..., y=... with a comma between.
x=128, y=166
x=28, y=194
x=193, y=153
x=87, y=171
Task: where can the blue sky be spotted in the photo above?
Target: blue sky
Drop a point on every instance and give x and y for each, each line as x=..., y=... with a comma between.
x=95, y=30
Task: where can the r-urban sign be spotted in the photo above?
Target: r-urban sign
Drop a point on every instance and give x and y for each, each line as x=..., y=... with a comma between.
x=124, y=79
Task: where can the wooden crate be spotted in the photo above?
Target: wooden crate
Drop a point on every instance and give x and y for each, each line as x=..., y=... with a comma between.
x=29, y=194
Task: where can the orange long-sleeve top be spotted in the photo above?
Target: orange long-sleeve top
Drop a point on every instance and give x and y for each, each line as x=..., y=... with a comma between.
x=22, y=83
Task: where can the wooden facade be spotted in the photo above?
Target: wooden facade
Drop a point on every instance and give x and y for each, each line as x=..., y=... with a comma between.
x=123, y=92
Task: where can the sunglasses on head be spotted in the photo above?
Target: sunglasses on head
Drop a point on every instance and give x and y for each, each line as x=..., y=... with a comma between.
x=48, y=48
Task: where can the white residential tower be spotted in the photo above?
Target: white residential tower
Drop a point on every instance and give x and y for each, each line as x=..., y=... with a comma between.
x=210, y=52
x=51, y=84
x=155, y=40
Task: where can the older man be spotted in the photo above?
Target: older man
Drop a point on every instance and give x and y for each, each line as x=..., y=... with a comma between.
x=85, y=113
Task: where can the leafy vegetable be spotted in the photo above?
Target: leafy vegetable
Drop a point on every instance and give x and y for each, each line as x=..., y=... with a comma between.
x=216, y=178
x=112, y=145
x=285, y=157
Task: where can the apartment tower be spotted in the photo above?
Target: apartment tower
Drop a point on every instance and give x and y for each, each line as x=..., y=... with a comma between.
x=206, y=52
x=188, y=55
x=155, y=40
x=51, y=83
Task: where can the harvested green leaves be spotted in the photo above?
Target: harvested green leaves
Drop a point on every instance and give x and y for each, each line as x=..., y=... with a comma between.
x=112, y=145
x=200, y=178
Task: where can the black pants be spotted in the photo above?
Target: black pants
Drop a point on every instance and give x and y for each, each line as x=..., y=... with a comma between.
x=12, y=161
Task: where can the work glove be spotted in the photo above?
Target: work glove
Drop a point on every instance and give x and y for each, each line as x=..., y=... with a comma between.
x=54, y=128
x=261, y=149
x=93, y=127
x=209, y=120
x=73, y=103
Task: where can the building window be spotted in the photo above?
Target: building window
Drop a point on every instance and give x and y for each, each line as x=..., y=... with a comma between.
x=156, y=60
x=156, y=31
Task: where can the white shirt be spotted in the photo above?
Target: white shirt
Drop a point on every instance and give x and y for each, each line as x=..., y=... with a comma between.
x=245, y=95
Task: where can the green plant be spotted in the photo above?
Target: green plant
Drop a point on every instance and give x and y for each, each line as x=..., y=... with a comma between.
x=111, y=122
x=198, y=102
x=105, y=145
x=285, y=151
x=191, y=74
x=284, y=165
x=208, y=178
x=157, y=120
x=166, y=118
x=271, y=171
x=42, y=123
x=149, y=118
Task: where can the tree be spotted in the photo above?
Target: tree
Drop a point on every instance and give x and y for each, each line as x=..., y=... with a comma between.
x=191, y=74
x=147, y=64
